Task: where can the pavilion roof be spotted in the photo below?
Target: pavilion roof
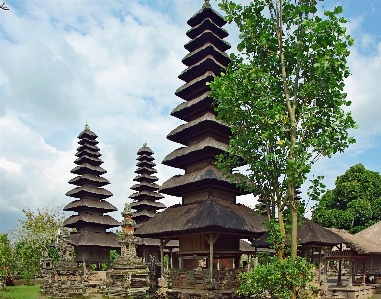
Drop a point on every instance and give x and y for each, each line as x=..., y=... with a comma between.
x=209, y=215
x=94, y=239
x=358, y=243
x=372, y=233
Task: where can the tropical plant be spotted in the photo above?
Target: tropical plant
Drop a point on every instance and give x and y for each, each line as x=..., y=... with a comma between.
x=355, y=202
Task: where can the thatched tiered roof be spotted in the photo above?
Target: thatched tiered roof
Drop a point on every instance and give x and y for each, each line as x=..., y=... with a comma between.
x=210, y=215
x=357, y=242
x=372, y=233
x=309, y=234
x=145, y=199
x=90, y=204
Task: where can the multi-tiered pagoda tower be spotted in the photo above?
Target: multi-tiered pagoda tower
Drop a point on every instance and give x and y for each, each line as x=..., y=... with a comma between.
x=146, y=195
x=92, y=242
x=209, y=223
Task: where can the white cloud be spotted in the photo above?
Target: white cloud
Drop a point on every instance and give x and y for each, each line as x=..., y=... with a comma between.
x=113, y=64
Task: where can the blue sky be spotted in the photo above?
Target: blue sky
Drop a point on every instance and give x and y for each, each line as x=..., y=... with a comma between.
x=115, y=64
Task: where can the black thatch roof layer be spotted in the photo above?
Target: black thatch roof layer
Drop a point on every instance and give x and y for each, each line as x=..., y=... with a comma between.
x=207, y=24
x=87, y=152
x=87, y=141
x=85, y=219
x=145, y=194
x=88, y=159
x=198, y=69
x=144, y=204
x=206, y=124
x=85, y=204
x=145, y=200
x=188, y=111
x=145, y=186
x=206, y=13
x=145, y=157
x=309, y=233
x=196, y=87
x=205, y=50
x=85, y=190
x=205, y=37
x=208, y=177
x=86, y=146
x=89, y=179
x=203, y=150
x=90, y=205
x=95, y=239
x=209, y=215
x=88, y=168
x=145, y=178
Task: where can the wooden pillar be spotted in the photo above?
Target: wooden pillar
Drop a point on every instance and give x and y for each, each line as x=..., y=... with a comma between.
x=211, y=240
x=161, y=258
x=339, y=283
x=350, y=280
x=171, y=257
x=319, y=267
x=181, y=262
x=363, y=271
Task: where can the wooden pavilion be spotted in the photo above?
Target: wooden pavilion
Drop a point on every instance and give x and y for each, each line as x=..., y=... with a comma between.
x=91, y=241
x=208, y=223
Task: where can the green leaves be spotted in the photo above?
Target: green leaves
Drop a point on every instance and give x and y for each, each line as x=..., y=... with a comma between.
x=277, y=278
x=354, y=204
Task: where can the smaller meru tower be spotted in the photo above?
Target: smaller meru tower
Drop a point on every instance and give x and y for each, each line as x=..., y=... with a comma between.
x=92, y=242
x=145, y=198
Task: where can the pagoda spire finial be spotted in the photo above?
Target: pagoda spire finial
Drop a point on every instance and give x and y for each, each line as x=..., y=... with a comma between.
x=206, y=4
x=144, y=144
x=87, y=126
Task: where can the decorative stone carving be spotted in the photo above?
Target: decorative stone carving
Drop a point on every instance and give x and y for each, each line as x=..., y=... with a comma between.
x=130, y=274
x=229, y=279
x=207, y=282
x=175, y=277
x=190, y=279
x=65, y=279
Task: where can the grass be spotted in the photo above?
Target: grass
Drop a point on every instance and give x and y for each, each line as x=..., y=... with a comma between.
x=21, y=292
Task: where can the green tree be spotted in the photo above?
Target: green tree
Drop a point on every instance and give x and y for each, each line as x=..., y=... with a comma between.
x=283, y=98
x=32, y=239
x=5, y=259
x=355, y=202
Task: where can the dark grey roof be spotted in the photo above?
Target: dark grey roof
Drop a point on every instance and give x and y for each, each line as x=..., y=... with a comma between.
x=87, y=178
x=102, y=205
x=146, y=194
x=310, y=233
x=88, y=168
x=89, y=191
x=145, y=202
x=199, y=179
x=95, y=239
x=98, y=220
x=209, y=215
x=204, y=13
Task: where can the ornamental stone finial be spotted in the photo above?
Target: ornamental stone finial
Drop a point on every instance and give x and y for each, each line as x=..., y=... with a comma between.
x=145, y=144
x=87, y=127
x=206, y=4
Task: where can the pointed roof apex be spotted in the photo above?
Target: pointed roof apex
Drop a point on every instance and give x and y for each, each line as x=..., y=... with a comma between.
x=144, y=144
x=87, y=128
x=206, y=4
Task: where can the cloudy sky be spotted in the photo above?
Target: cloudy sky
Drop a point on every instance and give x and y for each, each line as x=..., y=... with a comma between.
x=115, y=64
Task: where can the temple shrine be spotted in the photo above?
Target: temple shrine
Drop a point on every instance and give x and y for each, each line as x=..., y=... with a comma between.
x=92, y=242
x=145, y=203
x=208, y=223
